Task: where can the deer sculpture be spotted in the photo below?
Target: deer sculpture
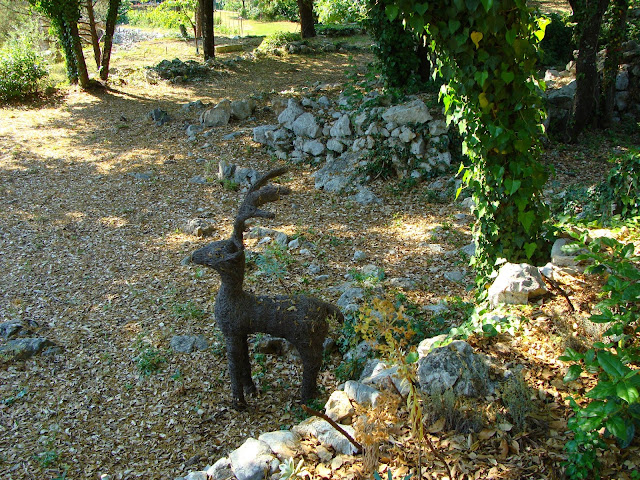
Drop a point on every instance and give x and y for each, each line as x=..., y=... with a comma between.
x=300, y=319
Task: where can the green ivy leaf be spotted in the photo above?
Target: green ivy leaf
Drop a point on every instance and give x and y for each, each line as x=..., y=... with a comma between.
x=489, y=330
x=481, y=77
x=512, y=185
x=454, y=25
x=526, y=220
x=510, y=36
x=529, y=249
x=507, y=77
x=392, y=12
x=487, y=4
x=421, y=8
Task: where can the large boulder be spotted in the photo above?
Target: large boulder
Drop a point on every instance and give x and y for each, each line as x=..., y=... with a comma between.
x=327, y=435
x=290, y=114
x=412, y=112
x=342, y=127
x=260, y=133
x=284, y=443
x=515, y=284
x=455, y=367
x=252, y=460
x=242, y=109
x=217, y=116
x=306, y=126
x=23, y=348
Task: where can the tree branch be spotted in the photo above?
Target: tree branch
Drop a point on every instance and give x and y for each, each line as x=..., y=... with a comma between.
x=321, y=415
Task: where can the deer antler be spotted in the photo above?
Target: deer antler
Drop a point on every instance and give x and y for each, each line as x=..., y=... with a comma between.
x=259, y=194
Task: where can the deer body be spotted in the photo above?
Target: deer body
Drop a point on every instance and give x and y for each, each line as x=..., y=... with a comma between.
x=301, y=320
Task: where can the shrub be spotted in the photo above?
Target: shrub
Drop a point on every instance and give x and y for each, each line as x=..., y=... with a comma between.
x=279, y=10
x=279, y=39
x=21, y=69
x=612, y=406
x=169, y=15
x=558, y=44
x=341, y=11
x=623, y=184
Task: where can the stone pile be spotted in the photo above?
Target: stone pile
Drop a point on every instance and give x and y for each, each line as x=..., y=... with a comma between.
x=319, y=130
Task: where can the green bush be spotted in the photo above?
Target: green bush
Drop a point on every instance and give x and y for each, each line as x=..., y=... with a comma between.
x=623, y=184
x=279, y=39
x=397, y=49
x=616, y=197
x=21, y=69
x=168, y=15
x=341, y=11
x=558, y=43
x=279, y=10
x=612, y=406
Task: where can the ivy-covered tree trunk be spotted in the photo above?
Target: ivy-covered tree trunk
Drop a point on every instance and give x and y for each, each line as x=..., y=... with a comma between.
x=208, y=43
x=83, y=74
x=588, y=15
x=307, y=22
x=110, y=28
x=486, y=53
x=64, y=16
x=615, y=36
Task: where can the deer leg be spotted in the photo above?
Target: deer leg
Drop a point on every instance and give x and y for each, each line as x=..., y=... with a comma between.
x=311, y=363
x=247, y=382
x=239, y=368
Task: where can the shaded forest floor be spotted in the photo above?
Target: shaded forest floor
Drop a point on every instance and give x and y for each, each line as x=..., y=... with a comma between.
x=90, y=258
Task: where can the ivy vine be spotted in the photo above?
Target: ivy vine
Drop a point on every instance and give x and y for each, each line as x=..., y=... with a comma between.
x=63, y=14
x=486, y=52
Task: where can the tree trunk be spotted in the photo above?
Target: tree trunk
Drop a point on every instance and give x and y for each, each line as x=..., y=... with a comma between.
x=61, y=27
x=95, y=41
x=208, y=41
x=618, y=22
x=83, y=75
x=588, y=14
x=110, y=27
x=198, y=28
x=307, y=24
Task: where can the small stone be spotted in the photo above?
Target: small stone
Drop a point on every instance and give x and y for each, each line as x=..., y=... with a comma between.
x=293, y=244
x=454, y=276
x=359, y=256
x=188, y=343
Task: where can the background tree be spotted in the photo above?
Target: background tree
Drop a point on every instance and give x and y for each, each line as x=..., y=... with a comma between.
x=614, y=34
x=110, y=27
x=95, y=40
x=208, y=40
x=307, y=20
x=588, y=15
